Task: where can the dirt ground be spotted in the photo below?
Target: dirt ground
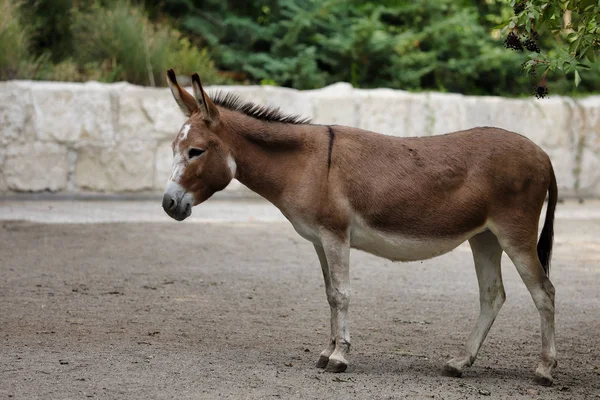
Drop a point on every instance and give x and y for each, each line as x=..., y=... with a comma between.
x=238, y=310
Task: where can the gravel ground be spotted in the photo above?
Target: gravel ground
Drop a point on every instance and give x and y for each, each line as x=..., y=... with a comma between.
x=226, y=309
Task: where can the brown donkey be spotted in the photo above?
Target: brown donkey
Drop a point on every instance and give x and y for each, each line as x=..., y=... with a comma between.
x=400, y=198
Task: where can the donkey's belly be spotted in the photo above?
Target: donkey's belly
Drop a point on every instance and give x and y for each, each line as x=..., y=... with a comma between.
x=398, y=247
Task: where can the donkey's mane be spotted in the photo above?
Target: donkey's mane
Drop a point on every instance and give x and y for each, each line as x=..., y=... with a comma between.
x=233, y=102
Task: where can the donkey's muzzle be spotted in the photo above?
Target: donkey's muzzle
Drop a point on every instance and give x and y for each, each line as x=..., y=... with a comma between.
x=178, y=209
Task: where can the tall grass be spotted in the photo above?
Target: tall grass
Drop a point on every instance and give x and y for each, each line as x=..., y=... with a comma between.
x=14, y=41
x=128, y=46
x=111, y=42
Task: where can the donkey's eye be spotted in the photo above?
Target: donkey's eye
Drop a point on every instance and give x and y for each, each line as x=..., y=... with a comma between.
x=194, y=153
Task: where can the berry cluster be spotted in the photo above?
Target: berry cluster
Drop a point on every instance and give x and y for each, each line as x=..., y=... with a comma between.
x=519, y=7
x=531, y=45
x=533, y=72
x=513, y=42
x=540, y=91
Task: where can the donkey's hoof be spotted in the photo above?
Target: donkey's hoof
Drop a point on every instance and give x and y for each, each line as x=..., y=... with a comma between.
x=322, y=363
x=543, y=379
x=452, y=370
x=543, y=373
x=336, y=366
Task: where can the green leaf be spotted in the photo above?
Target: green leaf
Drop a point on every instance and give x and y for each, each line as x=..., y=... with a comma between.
x=577, y=78
x=583, y=66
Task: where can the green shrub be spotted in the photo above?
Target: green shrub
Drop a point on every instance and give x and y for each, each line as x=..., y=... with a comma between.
x=131, y=48
x=69, y=70
x=14, y=41
x=443, y=45
x=50, y=24
x=187, y=59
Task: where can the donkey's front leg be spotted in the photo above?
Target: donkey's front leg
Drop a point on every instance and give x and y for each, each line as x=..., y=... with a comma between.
x=324, y=356
x=337, y=251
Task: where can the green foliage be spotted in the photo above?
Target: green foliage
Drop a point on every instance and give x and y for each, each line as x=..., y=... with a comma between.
x=574, y=27
x=50, y=24
x=444, y=45
x=14, y=41
x=94, y=41
x=187, y=59
x=130, y=47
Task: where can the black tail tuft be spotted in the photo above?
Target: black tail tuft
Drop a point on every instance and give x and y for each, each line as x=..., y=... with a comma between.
x=544, y=247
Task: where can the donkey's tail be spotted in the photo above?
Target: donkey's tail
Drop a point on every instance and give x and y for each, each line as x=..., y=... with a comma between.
x=544, y=247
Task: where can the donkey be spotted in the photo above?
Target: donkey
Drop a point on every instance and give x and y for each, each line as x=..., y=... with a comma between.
x=404, y=199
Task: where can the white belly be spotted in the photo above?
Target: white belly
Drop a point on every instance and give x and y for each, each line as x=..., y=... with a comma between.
x=398, y=247
x=393, y=246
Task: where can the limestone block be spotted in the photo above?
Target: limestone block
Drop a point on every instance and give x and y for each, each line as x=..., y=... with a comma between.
x=337, y=88
x=589, y=147
x=588, y=183
x=590, y=129
x=147, y=113
x=393, y=112
x=128, y=167
x=485, y=111
x=15, y=111
x=35, y=167
x=73, y=113
x=290, y=101
x=446, y=113
x=335, y=105
x=253, y=93
x=163, y=164
x=564, y=163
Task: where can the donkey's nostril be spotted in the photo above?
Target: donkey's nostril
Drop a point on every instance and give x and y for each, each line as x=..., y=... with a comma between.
x=169, y=203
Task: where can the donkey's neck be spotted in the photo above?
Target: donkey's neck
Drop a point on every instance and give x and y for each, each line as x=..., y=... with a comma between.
x=269, y=154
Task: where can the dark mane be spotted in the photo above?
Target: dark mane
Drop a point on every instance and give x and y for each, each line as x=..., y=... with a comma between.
x=233, y=102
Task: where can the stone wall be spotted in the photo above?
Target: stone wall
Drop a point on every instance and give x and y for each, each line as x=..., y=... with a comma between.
x=115, y=138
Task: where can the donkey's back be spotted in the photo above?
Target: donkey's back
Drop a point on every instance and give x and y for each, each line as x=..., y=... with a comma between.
x=443, y=188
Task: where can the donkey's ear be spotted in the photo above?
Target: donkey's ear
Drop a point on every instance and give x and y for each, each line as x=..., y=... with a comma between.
x=208, y=109
x=186, y=101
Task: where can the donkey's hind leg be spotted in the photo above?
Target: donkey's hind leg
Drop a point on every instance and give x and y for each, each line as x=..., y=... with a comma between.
x=487, y=254
x=530, y=269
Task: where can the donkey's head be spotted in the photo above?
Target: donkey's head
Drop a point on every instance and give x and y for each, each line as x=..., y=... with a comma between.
x=202, y=163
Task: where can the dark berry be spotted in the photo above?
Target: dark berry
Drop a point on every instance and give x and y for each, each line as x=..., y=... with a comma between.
x=519, y=7
x=513, y=42
x=540, y=91
x=531, y=45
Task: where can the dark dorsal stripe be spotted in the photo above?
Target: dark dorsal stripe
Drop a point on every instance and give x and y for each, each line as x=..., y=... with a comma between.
x=233, y=102
x=330, y=149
